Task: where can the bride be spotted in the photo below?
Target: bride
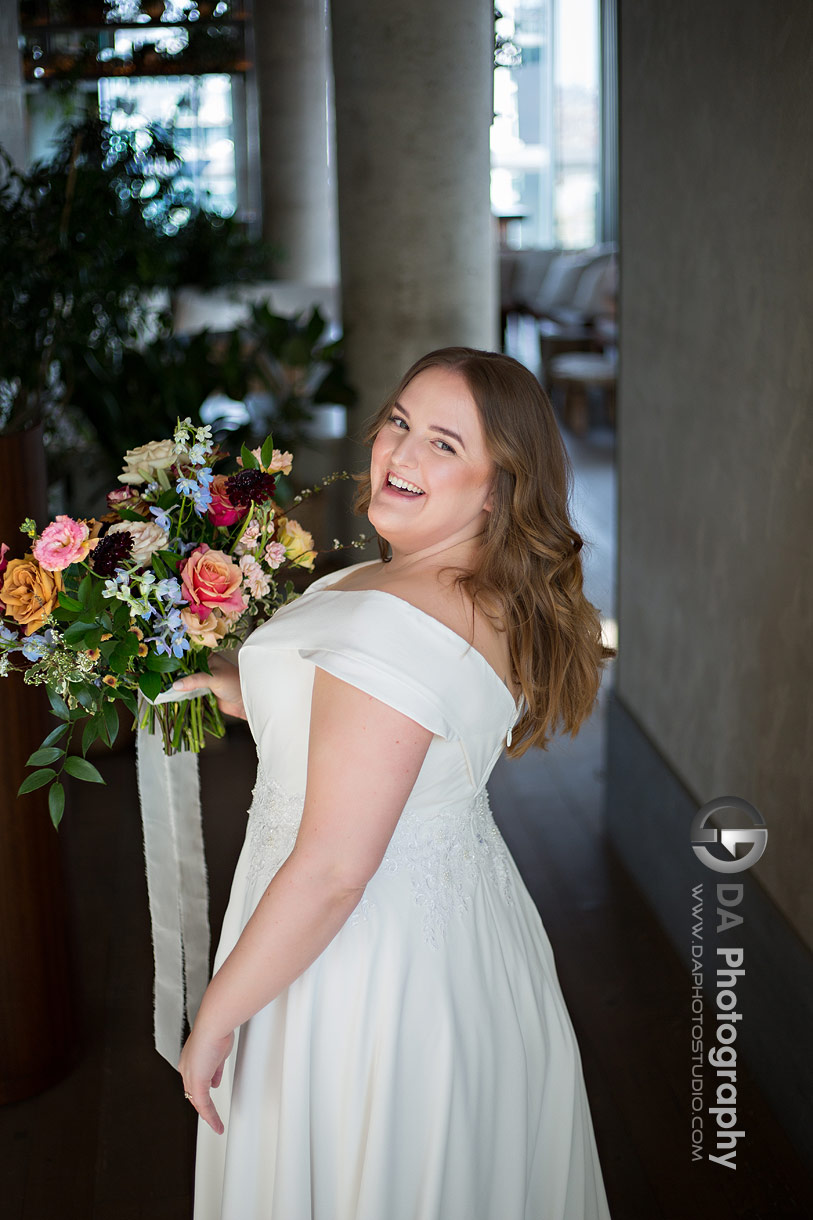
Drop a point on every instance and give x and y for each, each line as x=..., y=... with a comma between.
x=384, y=1037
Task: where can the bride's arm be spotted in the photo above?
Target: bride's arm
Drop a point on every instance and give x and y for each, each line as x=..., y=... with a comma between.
x=363, y=760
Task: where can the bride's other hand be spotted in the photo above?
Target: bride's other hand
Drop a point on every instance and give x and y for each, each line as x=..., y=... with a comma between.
x=223, y=682
x=201, y=1066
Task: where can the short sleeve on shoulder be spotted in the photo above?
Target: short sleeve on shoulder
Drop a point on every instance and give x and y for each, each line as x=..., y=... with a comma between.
x=389, y=649
x=378, y=676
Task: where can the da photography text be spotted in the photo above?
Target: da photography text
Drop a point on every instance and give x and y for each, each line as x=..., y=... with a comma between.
x=714, y=1052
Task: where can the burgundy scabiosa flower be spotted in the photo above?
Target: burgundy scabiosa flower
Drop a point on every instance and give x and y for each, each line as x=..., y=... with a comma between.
x=250, y=487
x=110, y=552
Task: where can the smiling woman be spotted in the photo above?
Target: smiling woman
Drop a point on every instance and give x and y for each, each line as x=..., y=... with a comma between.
x=385, y=1034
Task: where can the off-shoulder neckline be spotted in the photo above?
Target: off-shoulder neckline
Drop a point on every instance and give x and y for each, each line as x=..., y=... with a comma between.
x=515, y=703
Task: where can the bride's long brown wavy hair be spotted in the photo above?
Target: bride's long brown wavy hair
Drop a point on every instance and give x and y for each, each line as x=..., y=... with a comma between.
x=529, y=564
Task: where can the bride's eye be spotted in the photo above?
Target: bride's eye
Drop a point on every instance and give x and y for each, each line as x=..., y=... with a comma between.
x=398, y=419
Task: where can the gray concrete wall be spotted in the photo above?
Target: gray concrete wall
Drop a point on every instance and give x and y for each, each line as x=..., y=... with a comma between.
x=298, y=185
x=716, y=411
x=413, y=110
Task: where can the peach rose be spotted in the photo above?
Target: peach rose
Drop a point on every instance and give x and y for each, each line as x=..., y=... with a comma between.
x=29, y=592
x=3, y=566
x=211, y=581
x=280, y=463
x=207, y=632
x=297, y=542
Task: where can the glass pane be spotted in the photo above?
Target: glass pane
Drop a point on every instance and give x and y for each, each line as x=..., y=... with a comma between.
x=577, y=123
x=545, y=134
x=198, y=109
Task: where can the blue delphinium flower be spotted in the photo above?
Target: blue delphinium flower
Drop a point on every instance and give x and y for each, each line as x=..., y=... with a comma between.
x=197, y=489
x=162, y=518
x=35, y=647
x=168, y=590
x=171, y=636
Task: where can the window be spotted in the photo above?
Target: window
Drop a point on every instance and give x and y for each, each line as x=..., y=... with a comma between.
x=198, y=109
x=545, y=143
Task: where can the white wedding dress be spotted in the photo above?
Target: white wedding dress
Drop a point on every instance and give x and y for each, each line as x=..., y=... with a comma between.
x=424, y=1067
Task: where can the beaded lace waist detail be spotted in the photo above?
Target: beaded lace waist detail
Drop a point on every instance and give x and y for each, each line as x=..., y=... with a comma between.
x=445, y=853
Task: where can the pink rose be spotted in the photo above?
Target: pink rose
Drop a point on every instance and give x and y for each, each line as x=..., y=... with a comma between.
x=210, y=581
x=221, y=511
x=62, y=543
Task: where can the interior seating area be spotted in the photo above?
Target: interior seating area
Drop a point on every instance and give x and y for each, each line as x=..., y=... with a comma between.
x=569, y=298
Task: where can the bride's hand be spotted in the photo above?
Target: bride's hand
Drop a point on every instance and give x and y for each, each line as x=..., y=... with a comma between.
x=223, y=682
x=201, y=1066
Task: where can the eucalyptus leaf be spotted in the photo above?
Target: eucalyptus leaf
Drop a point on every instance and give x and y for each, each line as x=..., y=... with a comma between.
x=75, y=634
x=85, y=698
x=80, y=768
x=267, y=451
x=150, y=684
x=58, y=704
x=90, y=734
x=55, y=735
x=162, y=664
x=111, y=722
x=37, y=779
x=44, y=756
x=129, y=700
x=56, y=802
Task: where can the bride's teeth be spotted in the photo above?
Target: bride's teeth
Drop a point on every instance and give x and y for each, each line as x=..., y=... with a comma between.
x=403, y=485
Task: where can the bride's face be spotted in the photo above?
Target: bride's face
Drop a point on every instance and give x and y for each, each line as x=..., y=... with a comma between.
x=434, y=441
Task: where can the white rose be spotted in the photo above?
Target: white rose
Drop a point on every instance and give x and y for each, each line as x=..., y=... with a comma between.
x=141, y=464
x=147, y=539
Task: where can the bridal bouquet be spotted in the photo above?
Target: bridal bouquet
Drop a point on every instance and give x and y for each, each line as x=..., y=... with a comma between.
x=113, y=611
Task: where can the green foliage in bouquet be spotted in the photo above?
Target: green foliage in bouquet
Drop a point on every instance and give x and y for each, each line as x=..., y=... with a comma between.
x=112, y=611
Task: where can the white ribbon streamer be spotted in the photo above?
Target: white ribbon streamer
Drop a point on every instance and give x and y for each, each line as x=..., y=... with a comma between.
x=169, y=791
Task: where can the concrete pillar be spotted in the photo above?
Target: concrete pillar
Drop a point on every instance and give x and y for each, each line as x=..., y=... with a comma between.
x=298, y=190
x=413, y=81
x=12, y=114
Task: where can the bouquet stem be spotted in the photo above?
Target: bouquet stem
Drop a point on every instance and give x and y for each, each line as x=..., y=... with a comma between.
x=184, y=725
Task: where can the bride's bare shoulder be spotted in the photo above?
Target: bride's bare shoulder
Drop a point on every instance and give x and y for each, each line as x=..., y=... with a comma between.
x=435, y=592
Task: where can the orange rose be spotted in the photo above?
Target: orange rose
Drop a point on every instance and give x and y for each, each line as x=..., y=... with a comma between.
x=29, y=592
